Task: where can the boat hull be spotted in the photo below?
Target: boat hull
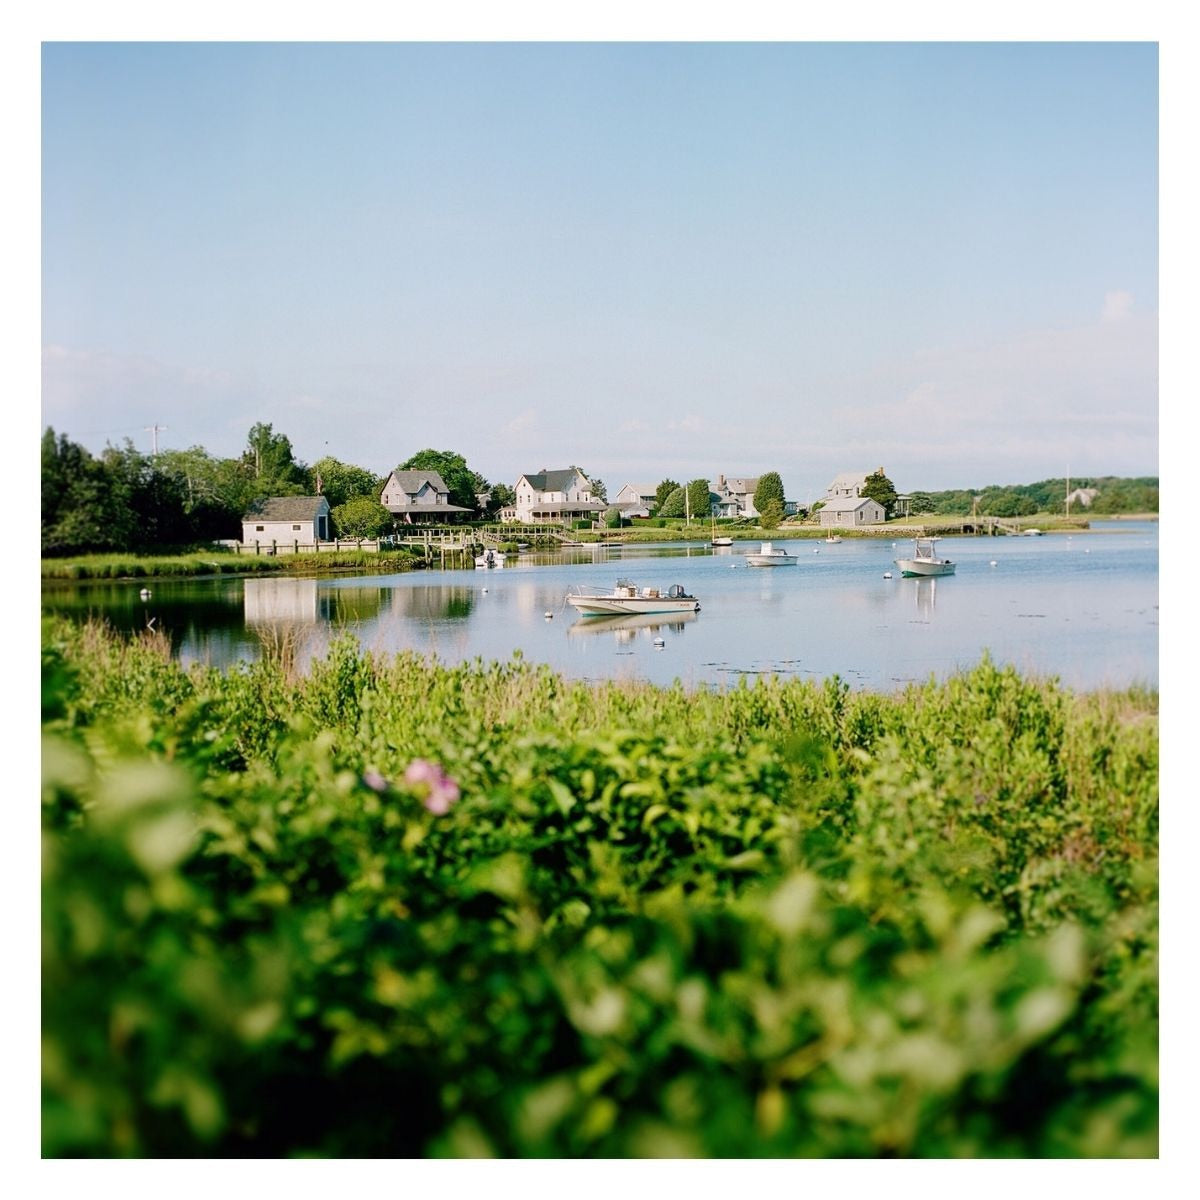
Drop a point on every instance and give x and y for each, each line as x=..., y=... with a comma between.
x=612, y=606
x=771, y=560
x=920, y=568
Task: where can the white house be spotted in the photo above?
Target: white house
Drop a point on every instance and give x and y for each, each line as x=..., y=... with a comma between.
x=847, y=512
x=735, y=496
x=416, y=496
x=848, y=483
x=287, y=519
x=636, y=499
x=553, y=497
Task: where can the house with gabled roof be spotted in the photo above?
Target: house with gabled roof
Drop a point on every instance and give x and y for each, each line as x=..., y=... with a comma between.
x=848, y=512
x=287, y=519
x=848, y=483
x=636, y=499
x=553, y=498
x=735, y=496
x=416, y=497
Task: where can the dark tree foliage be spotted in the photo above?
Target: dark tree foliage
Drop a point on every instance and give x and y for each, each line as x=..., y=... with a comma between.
x=661, y=493
x=122, y=501
x=879, y=487
x=770, y=487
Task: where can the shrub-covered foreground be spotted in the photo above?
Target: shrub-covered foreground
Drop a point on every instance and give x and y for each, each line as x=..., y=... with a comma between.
x=402, y=910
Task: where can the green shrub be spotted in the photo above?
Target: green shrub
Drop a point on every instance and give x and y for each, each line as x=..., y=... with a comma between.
x=389, y=909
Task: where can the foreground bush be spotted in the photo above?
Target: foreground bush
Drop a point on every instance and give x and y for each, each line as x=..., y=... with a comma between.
x=402, y=910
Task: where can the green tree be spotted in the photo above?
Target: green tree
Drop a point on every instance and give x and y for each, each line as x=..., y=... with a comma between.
x=770, y=487
x=269, y=455
x=339, y=482
x=661, y=493
x=78, y=512
x=361, y=517
x=699, y=502
x=459, y=479
x=612, y=518
x=878, y=487
x=673, y=505
x=771, y=514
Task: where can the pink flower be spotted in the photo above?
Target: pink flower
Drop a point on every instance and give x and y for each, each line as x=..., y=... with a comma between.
x=372, y=779
x=437, y=790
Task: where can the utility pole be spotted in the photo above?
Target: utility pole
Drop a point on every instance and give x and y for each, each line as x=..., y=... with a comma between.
x=153, y=430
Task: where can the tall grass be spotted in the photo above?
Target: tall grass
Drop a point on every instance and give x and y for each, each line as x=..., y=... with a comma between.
x=379, y=907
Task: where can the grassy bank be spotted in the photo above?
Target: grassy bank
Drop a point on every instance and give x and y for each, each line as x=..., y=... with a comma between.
x=385, y=908
x=212, y=562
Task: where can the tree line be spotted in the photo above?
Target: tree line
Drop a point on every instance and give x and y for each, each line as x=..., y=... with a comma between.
x=1113, y=495
x=125, y=501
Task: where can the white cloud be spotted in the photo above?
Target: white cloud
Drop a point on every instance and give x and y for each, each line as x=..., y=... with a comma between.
x=1117, y=306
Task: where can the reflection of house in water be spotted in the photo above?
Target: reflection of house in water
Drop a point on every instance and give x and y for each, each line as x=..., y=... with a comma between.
x=432, y=603
x=352, y=605
x=280, y=601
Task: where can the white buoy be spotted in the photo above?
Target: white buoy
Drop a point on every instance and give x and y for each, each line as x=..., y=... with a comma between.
x=659, y=643
x=144, y=593
x=992, y=563
x=485, y=591
x=817, y=551
x=549, y=616
x=887, y=574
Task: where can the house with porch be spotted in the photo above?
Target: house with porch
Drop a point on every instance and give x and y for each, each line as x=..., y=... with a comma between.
x=419, y=497
x=287, y=519
x=553, y=498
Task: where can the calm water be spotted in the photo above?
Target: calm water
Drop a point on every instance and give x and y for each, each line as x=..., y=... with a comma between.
x=1082, y=607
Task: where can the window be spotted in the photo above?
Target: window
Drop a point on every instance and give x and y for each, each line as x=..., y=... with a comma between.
x=295, y=526
x=258, y=529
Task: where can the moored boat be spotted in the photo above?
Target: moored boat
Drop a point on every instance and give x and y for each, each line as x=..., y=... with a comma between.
x=489, y=558
x=626, y=598
x=769, y=555
x=925, y=561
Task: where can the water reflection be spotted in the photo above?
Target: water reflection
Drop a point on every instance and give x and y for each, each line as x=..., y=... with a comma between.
x=1096, y=613
x=626, y=629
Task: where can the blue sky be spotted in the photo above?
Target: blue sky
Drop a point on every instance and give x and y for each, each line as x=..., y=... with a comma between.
x=644, y=259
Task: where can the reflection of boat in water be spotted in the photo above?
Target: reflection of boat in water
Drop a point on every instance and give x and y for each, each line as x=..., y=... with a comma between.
x=625, y=598
x=770, y=556
x=627, y=626
x=489, y=558
x=924, y=561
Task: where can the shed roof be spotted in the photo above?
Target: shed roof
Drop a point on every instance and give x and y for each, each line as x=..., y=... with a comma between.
x=287, y=508
x=848, y=503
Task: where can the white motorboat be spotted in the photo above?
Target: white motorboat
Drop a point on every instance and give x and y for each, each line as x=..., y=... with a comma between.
x=769, y=555
x=625, y=598
x=489, y=558
x=925, y=561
